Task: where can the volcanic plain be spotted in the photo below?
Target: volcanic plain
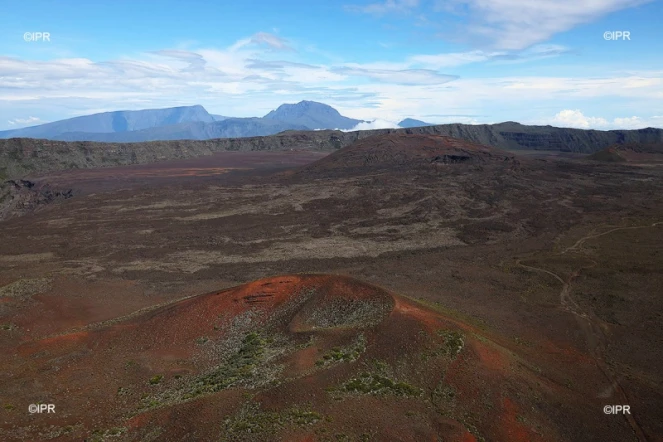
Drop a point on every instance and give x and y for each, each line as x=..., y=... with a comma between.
x=403, y=288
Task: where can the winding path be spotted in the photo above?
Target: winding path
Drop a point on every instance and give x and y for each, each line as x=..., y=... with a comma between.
x=590, y=323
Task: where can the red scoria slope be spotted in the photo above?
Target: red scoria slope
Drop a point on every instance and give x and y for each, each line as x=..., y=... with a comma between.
x=302, y=358
x=643, y=153
x=406, y=151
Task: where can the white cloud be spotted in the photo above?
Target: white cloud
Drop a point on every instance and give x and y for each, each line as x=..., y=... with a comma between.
x=502, y=24
x=375, y=124
x=246, y=80
x=575, y=118
x=404, y=76
x=385, y=7
x=263, y=38
x=438, y=61
x=30, y=121
x=517, y=24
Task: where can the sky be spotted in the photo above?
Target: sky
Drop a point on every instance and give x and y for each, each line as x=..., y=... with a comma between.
x=557, y=62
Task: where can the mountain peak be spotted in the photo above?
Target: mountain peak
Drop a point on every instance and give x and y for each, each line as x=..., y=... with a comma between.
x=313, y=115
x=288, y=109
x=411, y=122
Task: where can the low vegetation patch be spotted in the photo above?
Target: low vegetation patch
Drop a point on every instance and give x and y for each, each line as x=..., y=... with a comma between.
x=443, y=395
x=154, y=380
x=246, y=367
x=371, y=383
x=25, y=288
x=452, y=345
x=251, y=423
x=344, y=313
x=453, y=342
x=202, y=340
x=344, y=354
x=102, y=435
x=240, y=366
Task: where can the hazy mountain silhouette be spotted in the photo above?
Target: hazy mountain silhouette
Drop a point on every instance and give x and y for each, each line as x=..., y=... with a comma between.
x=411, y=122
x=114, y=122
x=312, y=115
x=188, y=122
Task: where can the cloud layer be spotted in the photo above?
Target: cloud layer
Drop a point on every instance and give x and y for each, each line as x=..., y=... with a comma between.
x=575, y=118
x=258, y=73
x=499, y=24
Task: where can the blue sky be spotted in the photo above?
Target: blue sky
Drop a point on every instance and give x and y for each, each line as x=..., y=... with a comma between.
x=470, y=61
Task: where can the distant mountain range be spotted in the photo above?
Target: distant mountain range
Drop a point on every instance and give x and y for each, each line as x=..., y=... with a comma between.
x=185, y=123
x=114, y=122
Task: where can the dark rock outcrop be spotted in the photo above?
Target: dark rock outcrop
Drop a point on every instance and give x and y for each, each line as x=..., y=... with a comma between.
x=18, y=197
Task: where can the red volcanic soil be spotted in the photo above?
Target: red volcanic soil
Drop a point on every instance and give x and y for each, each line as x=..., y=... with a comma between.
x=304, y=358
x=396, y=150
x=630, y=152
x=213, y=165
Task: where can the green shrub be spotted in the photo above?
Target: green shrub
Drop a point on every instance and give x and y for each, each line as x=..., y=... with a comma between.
x=156, y=379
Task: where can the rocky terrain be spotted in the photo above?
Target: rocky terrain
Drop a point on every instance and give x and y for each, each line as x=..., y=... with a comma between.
x=19, y=157
x=22, y=196
x=275, y=295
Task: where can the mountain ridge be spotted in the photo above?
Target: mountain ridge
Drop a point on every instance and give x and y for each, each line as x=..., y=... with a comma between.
x=115, y=122
x=22, y=156
x=185, y=122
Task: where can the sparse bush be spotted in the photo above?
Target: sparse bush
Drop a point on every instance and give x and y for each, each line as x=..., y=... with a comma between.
x=250, y=421
x=240, y=366
x=345, y=354
x=156, y=379
x=453, y=342
x=369, y=383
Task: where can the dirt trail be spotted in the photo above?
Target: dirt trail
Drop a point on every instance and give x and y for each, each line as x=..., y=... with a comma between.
x=577, y=246
x=590, y=323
